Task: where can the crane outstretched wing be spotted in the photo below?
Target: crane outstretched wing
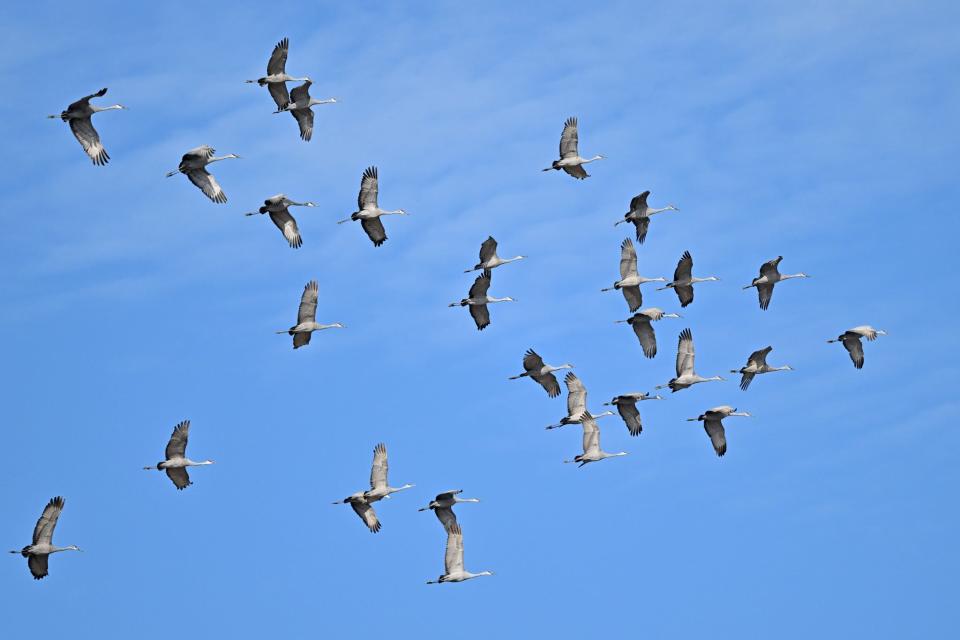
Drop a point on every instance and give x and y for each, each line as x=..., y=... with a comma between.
x=568, y=139
x=488, y=249
x=367, y=514
x=177, y=445
x=43, y=531
x=453, y=557
x=378, y=471
x=89, y=139
x=288, y=227
x=374, y=230
x=205, y=181
x=367, y=198
x=685, y=353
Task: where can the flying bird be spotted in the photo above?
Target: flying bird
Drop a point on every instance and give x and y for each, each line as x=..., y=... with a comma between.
x=176, y=460
x=307, y=318
x=683, y=282
x=477, y=299
x=630, y=280
x=851, y=341
x=713, y=425
x=576, y=402
x=627, y=408
x=757, y=364
x=362, y=501
x=442, y=506
x=194, y=166
x=453, y=570
x=489, y=258
x=276, y=79
x=369, y=213
x=38, y=552
x=278, y=207
x=769, y=276
x=541, y=373
x=639, y=214
x=570, y=160
x=686, y=376
x=300, y=109
x=640, y=322
x=591, y=443
x=77, y=115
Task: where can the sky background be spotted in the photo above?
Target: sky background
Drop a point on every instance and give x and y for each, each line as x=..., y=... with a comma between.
x=824, y=132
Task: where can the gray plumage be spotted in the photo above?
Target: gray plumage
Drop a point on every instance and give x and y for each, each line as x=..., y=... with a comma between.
x=175, y=461
x=38, y=553
x=194, y=166
x=78, y=115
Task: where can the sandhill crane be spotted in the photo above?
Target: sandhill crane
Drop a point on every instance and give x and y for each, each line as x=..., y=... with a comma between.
x=194, y=166
x=639, y=214
x=640, y=322
x=627, y=408
x=682, y=280
x=278, y=207
x=369, y=213
x=477, y=299
x=77, y=115
x=576, y=402
x=299, y=108
x=713, y=425
x=442, y=506
x=630, y=281
x=489, y=258
x=591, y=443
x=851, y=341
x=769, y=276
x=38, y=552
x=176, y=462
x=362, y=501
x=541, y=373
x=686, y=376
x=570, y=160
x=453, y=570
x=757, y=364
x=276, y=79
x=307, y=318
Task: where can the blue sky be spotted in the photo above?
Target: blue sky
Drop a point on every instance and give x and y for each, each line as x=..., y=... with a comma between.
x=825, y=133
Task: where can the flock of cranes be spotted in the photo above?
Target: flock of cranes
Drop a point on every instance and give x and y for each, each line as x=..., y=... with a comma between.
x=194, y=164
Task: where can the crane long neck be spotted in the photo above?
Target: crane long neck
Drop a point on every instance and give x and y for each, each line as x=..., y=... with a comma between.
x=97, y=109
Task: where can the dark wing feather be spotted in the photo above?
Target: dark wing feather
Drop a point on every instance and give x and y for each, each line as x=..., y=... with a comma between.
x=481, y=315
x=304, y=118
x=446, y=516
x=308, y=303
x=568, y=139
x=639, y=202
x=278, y=59
x=177, y=445
x=179, y=477
x=643, y=225
x=532, y=362
x=646, y=336
x=633, y=296
x=84, y=102
x=38, y=566
x=481, y=285
x=765, y=293
x=288, y=227
x=205, y=181
x=43, y=531
x=488, y=249
x=278, y=91
x=853, y=345
x=89, y=139
x=369, y=187
x=684, y=294
x=718, y=438
x=577, y=171
x=631, y=416
x=375, y=231
x=367, y=514
x=550, y=384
